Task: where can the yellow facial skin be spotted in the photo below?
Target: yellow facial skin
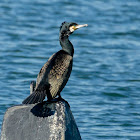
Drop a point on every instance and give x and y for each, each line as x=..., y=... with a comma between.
x=75, y=27
x=72, y=28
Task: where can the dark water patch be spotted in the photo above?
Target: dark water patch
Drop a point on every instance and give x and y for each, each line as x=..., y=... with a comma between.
x=114, y=94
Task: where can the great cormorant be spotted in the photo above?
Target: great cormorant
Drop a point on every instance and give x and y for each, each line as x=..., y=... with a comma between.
x=55, y=73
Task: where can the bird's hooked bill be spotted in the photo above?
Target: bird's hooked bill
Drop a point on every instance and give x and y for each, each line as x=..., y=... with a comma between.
x=79, y=26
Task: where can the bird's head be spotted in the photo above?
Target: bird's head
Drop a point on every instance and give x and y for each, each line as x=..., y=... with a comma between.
x=68, y=28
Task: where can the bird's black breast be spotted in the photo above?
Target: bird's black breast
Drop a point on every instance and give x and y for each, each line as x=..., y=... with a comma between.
x=55, y=72
x=60, y=72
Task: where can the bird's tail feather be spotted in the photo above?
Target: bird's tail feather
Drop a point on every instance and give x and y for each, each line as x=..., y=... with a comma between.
x=35, y=97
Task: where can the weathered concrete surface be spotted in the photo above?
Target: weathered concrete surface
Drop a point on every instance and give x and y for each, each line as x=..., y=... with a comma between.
x=41, y=121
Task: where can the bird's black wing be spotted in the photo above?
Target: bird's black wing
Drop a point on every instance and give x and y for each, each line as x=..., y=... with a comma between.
x=42, y=77
x=42, y=87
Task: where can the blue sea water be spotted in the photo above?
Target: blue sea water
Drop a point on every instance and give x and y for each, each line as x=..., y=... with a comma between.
x=104, y=87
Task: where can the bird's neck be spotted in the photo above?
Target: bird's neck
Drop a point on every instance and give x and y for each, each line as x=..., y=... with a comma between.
x=66, y=45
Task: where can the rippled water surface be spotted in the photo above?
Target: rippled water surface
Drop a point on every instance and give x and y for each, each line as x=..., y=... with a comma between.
x=104, y=87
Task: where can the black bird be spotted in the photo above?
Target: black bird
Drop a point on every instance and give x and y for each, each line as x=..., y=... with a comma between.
x=55, y=73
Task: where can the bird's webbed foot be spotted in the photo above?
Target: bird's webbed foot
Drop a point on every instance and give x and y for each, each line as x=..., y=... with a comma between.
x=61, y=99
